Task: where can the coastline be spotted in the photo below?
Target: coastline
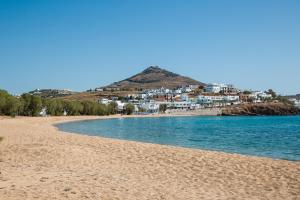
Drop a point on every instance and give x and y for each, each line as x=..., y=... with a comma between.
x=38, y=161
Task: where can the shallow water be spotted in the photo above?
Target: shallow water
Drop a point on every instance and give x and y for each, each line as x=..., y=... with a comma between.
x=268, y=136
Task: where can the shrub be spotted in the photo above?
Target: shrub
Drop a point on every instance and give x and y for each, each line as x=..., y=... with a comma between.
x=129, y=109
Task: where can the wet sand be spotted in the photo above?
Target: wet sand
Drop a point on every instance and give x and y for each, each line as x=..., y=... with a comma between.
x=37, y=161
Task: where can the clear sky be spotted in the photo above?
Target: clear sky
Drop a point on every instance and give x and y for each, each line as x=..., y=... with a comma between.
x=82, y=44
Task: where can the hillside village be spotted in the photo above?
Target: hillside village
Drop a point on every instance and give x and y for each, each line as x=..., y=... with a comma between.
x=186, y=98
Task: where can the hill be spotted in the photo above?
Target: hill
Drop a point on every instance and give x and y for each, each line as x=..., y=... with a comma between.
x=153, y=77
x=51, y=93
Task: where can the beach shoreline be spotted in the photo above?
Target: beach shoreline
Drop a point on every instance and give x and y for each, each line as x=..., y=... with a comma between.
x=39, y=161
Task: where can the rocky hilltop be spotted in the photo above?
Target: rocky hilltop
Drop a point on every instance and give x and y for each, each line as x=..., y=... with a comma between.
x=262, y=109
x=154, y=77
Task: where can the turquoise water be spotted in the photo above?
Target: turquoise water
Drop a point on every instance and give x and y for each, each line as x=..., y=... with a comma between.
x=272, y=136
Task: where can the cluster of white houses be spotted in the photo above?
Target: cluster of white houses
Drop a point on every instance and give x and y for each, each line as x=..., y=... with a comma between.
x=212, y=95
x=220, y=88
x=296, y=100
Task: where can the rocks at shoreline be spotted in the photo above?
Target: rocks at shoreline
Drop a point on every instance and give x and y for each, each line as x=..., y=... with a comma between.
x=261, y=109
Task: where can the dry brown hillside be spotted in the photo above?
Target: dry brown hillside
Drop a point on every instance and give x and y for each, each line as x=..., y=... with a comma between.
x=154, y=77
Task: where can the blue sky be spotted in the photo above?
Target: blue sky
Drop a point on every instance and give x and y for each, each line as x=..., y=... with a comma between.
x=84, y=44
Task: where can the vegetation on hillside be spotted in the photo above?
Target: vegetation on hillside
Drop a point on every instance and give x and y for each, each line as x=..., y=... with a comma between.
x=31, y=105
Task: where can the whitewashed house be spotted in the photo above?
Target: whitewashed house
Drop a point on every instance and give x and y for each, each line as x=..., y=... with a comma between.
x=212, y=88
x=264, y=95
x=182, y=105
x=178, y=91
x=296, y=102
x=258, y=96
x=184, y=97
x=204, y=100
x=220, y=100
x=99, y=89
x=193, y=87
x=136, y=108
x=151, y=106
x=142, y=95
x=231, y=98
x=187, y=89
x=220, y=88
x=104, y=101
x=43, y=112
x=120, y=105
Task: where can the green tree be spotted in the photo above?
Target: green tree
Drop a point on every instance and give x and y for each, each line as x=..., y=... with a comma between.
x=54, y=107
x=112, y=108
x=35, y=105
x=26, y=101
x=284, y=100
x=271, y=92
x=3, y=96
x=9, y=105
x=162, y=108
x=73, y=107
x=89, y=108
x=12, y=106
x=129, y=109
x=246, y=92
x=59, y=109
x=101, y=110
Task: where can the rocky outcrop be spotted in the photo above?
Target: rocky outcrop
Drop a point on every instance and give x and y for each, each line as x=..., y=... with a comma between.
x=261, y=109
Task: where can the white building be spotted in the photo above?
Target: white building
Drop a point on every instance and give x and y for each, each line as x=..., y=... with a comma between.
x=142, y=95
x=99, y=89
x=184, y=97
x=179, y=105
x=204, y=100
x=296, y=102
x=258, y=96
x=187, y=89
x=136, y=108
x=264, y=95
x=120, y=105
x=231, y=98
x=178, y=91
x=213, y=88
x=132, y=95
x=193, y=87
x=151, y=106
x=104, y=101
x=220, y=88
x=209, y=101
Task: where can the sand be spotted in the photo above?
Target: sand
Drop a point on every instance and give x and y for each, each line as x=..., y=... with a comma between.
x=37, y=161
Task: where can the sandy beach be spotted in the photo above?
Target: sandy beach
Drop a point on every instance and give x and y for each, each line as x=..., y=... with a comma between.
x=37, y=161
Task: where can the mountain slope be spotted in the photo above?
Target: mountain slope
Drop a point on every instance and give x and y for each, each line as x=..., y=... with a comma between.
x=154, y=77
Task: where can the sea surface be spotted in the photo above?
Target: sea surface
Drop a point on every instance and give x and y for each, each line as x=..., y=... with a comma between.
x=271, y=136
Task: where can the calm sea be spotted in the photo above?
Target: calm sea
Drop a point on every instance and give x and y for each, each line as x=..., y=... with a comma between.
x=275, y=136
